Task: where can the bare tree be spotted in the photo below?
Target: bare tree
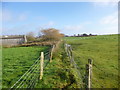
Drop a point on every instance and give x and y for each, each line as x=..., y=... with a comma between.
x=30, y=36
x=51, y=34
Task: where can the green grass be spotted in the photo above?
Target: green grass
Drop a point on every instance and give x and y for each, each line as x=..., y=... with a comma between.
x=103, y=50
x=16, y=61
x=57, y=74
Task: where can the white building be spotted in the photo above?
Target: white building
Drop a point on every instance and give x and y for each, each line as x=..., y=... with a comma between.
x=13, y=40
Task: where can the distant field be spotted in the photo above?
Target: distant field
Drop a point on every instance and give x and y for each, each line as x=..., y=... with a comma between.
x=15, y=62
x=103, y=50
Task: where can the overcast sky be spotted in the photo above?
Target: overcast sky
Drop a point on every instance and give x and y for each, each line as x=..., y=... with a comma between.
x=69, y=17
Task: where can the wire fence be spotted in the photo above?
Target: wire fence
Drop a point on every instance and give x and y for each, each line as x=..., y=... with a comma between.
x=84, y=78
x=68, y=50
x=32, y=75
x=35, y=72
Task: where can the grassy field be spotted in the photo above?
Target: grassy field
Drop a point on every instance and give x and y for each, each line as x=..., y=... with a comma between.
x=59, y=73
x=103, y=50
x=15, y=62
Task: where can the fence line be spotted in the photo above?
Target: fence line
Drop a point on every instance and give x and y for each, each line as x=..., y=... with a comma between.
x=35, y=72
x=89, y=73
x=30, y=78
x=53, y=49
x=87, y=77
x=72, y=61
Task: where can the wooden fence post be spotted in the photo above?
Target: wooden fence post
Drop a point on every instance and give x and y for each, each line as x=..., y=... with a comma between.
x=51, y=54
x=67, y=49
x=89, y=72
x=86, y=76
x=65, y=45
x=71, y=55
x=41, y=65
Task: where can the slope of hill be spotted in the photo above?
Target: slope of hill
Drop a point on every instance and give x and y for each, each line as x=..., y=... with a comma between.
x=103, y=50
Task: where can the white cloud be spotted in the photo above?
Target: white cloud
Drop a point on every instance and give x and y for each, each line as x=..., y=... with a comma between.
x=108, y=24
x=108, y=30
x=8, y=16
x=17, y=29
x=51, y=23
x=111, y=3
x=110, y=19
x=47, y=25
x=73, y=27
x=76, y=29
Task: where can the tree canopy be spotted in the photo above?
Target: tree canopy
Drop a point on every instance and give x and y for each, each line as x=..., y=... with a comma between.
x=30, y=36
x=51, y=34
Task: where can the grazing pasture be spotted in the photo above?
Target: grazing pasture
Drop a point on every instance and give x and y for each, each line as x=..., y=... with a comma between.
x=16, y=61
x=103, y=50
x=59, y=73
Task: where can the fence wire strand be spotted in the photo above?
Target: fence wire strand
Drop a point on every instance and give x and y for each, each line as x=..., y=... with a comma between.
x=68, y=50
x=30, y=78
